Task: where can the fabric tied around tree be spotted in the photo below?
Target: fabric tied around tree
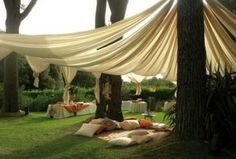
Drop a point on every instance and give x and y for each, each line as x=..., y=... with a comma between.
x=96, y=89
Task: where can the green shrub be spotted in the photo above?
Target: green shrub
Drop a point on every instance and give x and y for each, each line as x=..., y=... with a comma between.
x=38, y=100
x=85, y=95
x=127, y=90
x=161, y=93
x=160, y=89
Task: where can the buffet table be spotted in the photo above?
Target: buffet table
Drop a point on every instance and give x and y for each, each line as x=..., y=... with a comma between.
x=61, y=110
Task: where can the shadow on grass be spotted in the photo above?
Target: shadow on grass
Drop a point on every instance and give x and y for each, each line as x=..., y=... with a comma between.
x=64, y=147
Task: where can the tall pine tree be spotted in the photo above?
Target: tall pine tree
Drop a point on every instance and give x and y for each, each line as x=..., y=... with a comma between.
x=191, y=74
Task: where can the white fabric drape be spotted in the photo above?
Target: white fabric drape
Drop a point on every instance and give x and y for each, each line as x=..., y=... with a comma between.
x=148, y=46
x=137, y=79
x=37, y=66
x=219, y=45
x=68, y=75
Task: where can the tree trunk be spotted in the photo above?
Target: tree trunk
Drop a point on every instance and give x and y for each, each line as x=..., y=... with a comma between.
x=191, y=74
x=102, y=105
x=10, y=103
x=118, y=9
x=13, y=20
x=114, y=106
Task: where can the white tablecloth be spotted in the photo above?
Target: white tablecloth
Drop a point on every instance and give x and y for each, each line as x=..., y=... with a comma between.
x=138, y=107
x=58, y=111
x=125, y=105
x=134, y=107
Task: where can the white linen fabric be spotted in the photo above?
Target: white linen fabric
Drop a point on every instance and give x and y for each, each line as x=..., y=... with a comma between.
x=137, y=79
x=37, y=66
x=148, y=46
x=68, y=75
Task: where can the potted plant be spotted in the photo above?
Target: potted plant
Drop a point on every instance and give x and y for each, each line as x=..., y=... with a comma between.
x=221, y=109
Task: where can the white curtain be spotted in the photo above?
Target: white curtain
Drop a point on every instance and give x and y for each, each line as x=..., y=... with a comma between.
x=137, y=79
x=68, y=75
x=38, y=66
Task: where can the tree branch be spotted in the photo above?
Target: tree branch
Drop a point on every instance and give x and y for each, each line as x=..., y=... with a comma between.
x=28, y=9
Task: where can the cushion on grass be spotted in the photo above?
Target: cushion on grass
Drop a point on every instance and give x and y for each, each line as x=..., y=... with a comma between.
x=144, y=123
x=101, y=129
x=122, y=141
x=117, y=124
x=110, y=124
x=140, y=139
x=88, y=129
x=137, y=132
x=96, y=121
x=158, y=136
x=130, y=118
x=158, y=126
x=130, y=124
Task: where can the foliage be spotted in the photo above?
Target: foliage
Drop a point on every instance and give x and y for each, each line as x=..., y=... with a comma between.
x=158, y=82
x=160, y=89
x=73, y=89
x=49, y=79
x=160, y=93
x=38, y=100
x=221, y=107
x=127, y=90
x=26, y=78
x=170, y=116
x=84, y=79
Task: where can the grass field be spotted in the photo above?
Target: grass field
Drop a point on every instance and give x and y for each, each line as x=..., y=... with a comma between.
x=37, y=137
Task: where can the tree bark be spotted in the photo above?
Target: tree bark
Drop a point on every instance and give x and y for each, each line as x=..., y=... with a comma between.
x=113, y=111
x=13, y=20
x=191, y=74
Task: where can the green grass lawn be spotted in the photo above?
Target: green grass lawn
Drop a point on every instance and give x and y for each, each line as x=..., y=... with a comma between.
x=37, y=137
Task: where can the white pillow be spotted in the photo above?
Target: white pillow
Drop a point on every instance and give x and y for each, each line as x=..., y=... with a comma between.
x=130, y=124
x=96, y=121
x=140, y=139
x=158, y=126
x=88, y=130
x=138, y=132
x=158, y=136
x=122, y=141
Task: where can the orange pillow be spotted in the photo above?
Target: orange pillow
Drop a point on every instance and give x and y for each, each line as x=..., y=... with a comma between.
x=144, y=123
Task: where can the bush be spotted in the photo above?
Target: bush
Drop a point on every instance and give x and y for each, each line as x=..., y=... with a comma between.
x=38, y=100
x=127, y=91
x=160, y=94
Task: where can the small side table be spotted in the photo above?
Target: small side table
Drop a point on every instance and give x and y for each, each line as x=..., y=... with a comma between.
x=148, y=116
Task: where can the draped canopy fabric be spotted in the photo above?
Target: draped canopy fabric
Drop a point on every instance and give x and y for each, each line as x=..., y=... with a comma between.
x=148, y=46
